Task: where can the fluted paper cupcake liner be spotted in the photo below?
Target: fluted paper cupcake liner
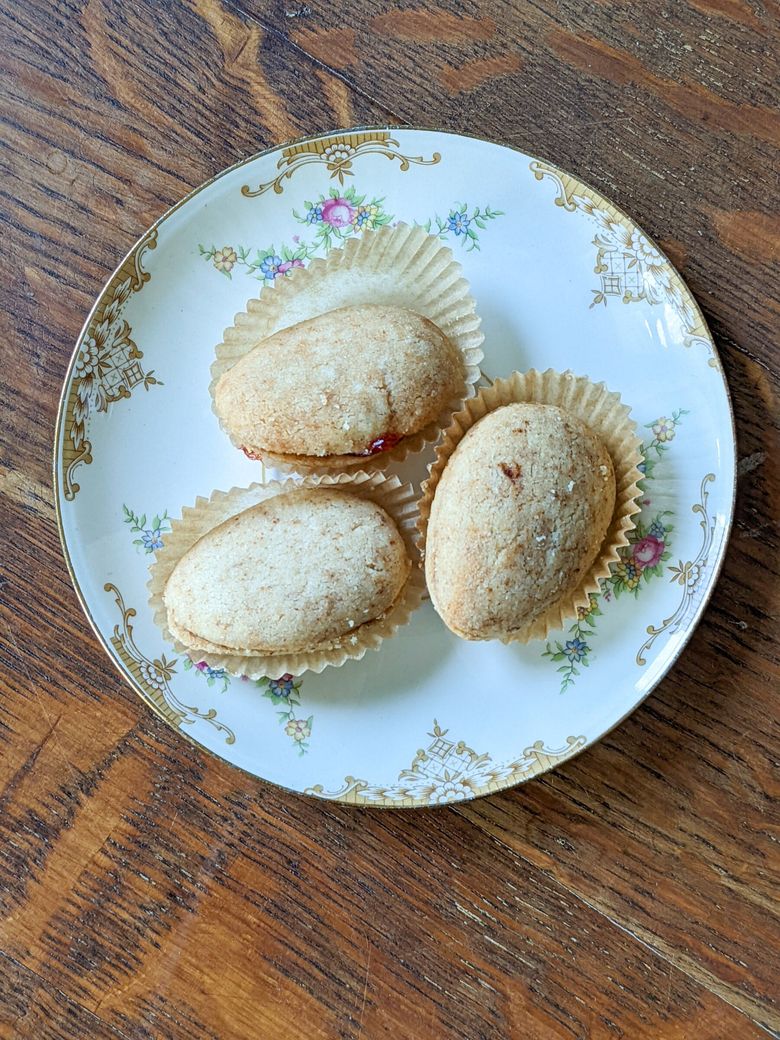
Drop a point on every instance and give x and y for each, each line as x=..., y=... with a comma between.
x=403, y=267
x=604, y=413
x=397, y=499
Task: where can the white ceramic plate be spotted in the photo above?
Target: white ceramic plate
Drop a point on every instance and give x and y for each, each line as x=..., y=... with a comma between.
x=561, y=279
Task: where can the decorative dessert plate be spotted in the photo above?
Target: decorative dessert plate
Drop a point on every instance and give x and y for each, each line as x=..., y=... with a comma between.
x=562, y=279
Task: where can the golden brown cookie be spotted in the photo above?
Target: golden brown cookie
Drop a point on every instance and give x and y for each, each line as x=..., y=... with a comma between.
x=517, y=519
x=299, y=572
x=344, y=386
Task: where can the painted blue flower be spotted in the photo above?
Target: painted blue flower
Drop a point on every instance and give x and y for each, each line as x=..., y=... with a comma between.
x=152, y=539
x=209, y=672
x=576, y=649
x=314, y=215
x=212, y=674
x=657, y=530
x=642, y=466
x=283, y=686
x=270, y=266
x=458, y=222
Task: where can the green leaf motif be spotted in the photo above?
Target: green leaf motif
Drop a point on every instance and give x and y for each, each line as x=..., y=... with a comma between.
x=137, y=524
x=367, y=215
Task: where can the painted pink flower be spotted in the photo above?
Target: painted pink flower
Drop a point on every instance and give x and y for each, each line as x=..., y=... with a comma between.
x=338, y=213
x=288, y=265
x=648, y=551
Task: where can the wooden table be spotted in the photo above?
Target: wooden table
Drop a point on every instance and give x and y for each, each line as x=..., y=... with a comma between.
x=149, y=891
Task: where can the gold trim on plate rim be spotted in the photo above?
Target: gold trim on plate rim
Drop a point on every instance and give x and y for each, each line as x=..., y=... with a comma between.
x=101, y=302
x=629, y=263
x=447, y=772
x=108, y=361
x=338, y=156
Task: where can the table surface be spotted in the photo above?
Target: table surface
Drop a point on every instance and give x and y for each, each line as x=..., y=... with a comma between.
x=148, y=890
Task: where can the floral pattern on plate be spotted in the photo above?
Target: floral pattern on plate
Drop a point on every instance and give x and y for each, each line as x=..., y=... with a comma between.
x=213, y=676
x=150, y=534
x=284, y=691
x=640, y=561
x=265, y=264
x=461, y=222
x=333, y=218
x=338, y=216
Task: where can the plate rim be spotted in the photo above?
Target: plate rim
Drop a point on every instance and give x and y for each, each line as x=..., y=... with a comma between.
x=493, y=787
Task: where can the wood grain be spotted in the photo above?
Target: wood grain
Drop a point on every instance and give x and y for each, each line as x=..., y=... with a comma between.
x=149, y=891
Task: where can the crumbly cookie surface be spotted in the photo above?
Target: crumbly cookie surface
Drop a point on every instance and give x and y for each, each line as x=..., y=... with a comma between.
x=341, y=382
x=517, y=519
x=295, y=573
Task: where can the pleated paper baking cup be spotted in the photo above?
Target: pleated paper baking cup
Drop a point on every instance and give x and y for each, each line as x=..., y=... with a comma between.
x=397, y=499
x=606, y=415
x=401, y=267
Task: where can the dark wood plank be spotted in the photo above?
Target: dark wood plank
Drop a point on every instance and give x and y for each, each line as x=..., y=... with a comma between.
x=164, y=896
x=147, y=890
x=30, y=1009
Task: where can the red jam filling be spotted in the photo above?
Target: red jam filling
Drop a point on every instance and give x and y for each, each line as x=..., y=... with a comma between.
x=383, y=443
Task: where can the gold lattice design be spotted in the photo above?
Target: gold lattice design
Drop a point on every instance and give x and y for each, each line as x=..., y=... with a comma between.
x=107, y=366
x=153, y=676
x=338, y=153
x=629, y=264
x=450, y=771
